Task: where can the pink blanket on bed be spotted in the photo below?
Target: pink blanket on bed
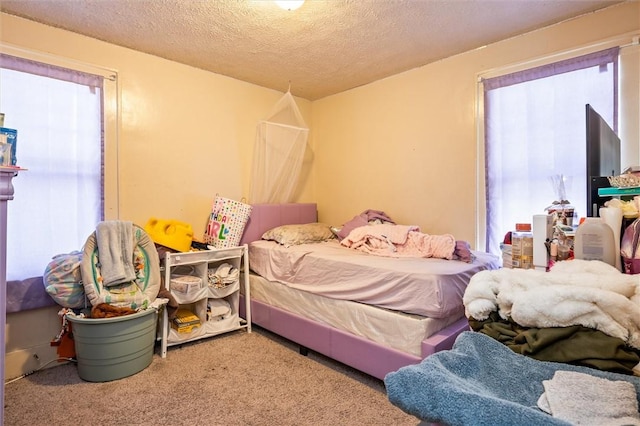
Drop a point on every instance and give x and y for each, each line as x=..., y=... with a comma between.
x=400, y=241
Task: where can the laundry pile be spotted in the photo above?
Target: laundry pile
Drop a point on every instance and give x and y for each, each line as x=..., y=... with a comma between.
x=482, y=382
x=581, y=312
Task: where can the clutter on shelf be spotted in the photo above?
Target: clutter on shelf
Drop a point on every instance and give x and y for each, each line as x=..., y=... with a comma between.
x=630, y=208
x=185, y=321
x=564, y=220
x=563, y=212
x=8, y=146
x=629, y=178
x=522, y=247
x=625, y=181
x=629, y=250
x=185, y=283
x=206, y=284
x=518, y=249
x=218, y=309
x=114, y=284
x=223, y=275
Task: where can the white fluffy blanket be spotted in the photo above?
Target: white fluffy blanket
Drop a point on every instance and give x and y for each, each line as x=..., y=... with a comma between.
x=577, y=292
x=400, y=241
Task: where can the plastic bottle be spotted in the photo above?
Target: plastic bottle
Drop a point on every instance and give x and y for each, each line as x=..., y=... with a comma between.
x=522, y=246
x=612, y=216
x=594, y=240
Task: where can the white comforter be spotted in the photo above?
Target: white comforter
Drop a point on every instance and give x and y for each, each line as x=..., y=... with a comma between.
x=578, y=292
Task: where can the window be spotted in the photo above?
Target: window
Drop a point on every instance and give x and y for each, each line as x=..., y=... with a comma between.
x=535, y=133
x=59, y=200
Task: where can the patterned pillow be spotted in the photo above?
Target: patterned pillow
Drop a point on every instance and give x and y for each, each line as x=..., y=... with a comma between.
x=290, y=235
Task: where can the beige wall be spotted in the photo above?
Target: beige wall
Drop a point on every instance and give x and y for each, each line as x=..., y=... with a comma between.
x=407, y=144
x=184, y=134
x=28, y=337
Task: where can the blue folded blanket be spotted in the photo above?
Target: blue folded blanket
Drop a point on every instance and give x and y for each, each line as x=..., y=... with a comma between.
x=480, y=382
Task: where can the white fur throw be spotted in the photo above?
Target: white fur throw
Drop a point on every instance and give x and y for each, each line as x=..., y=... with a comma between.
x=577, y=292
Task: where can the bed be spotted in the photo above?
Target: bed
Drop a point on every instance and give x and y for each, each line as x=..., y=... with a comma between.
x=373, y=332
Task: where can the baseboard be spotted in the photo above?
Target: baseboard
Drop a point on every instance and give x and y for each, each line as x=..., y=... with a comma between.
x=26, y=361
x=28, y=341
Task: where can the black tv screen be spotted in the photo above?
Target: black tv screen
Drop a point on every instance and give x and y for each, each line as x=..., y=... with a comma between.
x=603, y=158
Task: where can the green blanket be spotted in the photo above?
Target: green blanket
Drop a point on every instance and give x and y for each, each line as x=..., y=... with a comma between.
x=575, y=345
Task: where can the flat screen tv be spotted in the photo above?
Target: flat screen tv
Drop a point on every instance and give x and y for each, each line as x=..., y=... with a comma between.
x=603, y=158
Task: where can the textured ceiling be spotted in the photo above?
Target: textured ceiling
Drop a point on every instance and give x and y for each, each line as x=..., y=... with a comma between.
x=325, y=47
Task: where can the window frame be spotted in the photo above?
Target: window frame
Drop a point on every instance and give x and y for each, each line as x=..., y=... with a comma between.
x=111, y=117
x=628, y=108
x=109, y=114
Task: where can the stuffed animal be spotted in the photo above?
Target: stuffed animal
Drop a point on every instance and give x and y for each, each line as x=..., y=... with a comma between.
x=104, y=310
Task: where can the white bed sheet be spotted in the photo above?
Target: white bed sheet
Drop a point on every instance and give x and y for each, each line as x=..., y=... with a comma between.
x=401, y=331
x=428, y=287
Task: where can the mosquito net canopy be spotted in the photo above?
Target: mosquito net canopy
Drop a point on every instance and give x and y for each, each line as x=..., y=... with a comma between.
x=278, y=153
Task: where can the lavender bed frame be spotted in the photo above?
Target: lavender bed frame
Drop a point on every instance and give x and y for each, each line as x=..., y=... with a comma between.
x=362, y=354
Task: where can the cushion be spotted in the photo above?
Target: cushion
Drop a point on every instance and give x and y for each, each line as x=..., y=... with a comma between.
x=63, y=280
x=27, y=294
x=289, y=235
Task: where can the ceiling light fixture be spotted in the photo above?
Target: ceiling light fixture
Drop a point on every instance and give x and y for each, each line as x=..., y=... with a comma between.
x=289, y=4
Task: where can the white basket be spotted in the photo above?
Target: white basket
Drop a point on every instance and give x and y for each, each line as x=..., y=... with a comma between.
x=185, y=283
x=627, y=180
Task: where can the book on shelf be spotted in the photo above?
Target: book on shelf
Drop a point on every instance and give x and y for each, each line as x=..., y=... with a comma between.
x=613, y=191
x=9, y=136
x=185, y=321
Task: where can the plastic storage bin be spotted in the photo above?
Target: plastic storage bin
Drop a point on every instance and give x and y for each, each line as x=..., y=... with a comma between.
x=112, y=348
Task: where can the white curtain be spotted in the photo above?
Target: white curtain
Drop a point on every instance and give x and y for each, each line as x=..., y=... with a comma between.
x=279, y=148
x=535, y=130
x=58, y=201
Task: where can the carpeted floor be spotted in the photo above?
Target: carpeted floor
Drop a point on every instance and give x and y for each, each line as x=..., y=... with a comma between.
x=234, y=379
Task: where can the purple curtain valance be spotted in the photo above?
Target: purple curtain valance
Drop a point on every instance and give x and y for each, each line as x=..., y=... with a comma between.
x=52, y=71
x=600, y=58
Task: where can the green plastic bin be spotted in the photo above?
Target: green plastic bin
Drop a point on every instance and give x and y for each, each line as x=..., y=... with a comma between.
x=112, y=348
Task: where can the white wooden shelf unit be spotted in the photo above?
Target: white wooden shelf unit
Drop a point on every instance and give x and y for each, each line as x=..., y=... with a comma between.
x=198, y=264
